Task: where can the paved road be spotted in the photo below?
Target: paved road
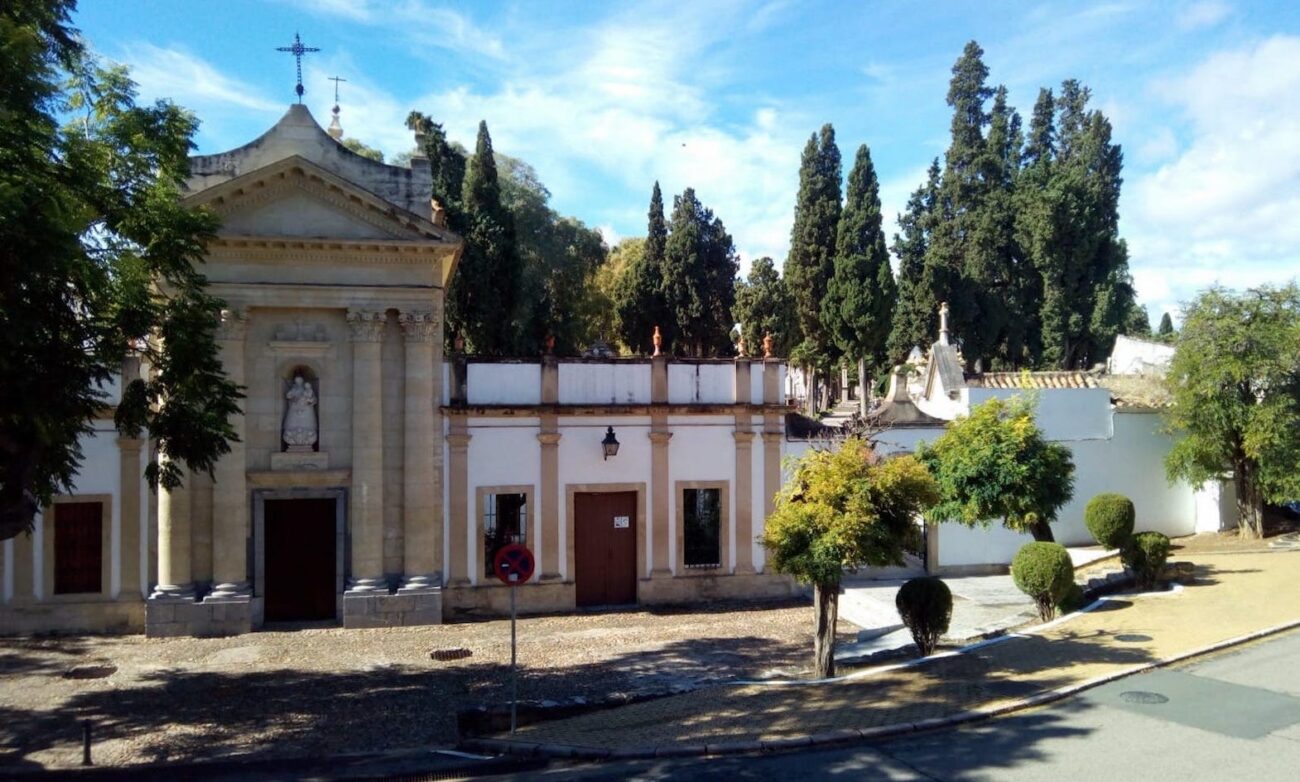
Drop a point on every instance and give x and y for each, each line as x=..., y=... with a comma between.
x=1233, y=716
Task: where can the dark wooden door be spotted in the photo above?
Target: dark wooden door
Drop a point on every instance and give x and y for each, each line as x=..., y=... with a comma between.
x=300, y=559
x=604, y=548
x=78, y=547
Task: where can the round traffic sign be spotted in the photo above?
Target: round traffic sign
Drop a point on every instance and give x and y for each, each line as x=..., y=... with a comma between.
x=514, y=564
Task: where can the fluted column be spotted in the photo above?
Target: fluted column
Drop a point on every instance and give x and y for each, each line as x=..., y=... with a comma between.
x=175, y=574
x=421, y=527
x=230, y=476
x=367, y=496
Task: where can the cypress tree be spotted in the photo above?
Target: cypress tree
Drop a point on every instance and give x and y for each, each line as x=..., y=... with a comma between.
x=916, y=314
x=1166, y=326
x=699, y=272
x=481, y=298
x=856, y=311
x=764, y=306
x=810, y=263
x=640, y=300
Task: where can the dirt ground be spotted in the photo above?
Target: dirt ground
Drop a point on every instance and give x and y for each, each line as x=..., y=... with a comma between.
x=285, y=693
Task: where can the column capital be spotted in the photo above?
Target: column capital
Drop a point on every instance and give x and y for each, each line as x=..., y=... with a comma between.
x=418, y=326
x=660, y=438
x=743, y=438
x=130, y=443
x=773, y=437
x=458, y=440
x=366, y=325
x=549, y=438
x=233, y=326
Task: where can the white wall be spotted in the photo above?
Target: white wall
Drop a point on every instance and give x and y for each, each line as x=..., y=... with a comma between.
x=701, y=449
x=504, y=384
x=502, y=454
x=1062, y=413
x=602, y=383
x=701, y=383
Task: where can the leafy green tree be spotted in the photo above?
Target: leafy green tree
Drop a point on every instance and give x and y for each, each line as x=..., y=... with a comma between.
x=640, y=294
x=764, y=306
x=699, y=272
x=916, y=313
x=1138, y=323
x=359, y=147
x=860, y=294
x=603, y=294
x=97, y=255
x=811, y=260
x=559, y=258
x=996, y=464
x=843, y=509
x=1235, y=379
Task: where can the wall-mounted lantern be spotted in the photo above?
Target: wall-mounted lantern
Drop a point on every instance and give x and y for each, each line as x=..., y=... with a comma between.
x=610, y=443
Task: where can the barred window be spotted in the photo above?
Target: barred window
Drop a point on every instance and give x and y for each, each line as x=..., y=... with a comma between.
x=505, y=521
x=703, y=527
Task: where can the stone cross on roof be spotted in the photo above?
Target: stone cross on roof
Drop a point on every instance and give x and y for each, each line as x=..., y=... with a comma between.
x=297, y=50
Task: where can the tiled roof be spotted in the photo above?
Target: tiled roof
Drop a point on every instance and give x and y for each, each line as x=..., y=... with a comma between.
x=1133, y=392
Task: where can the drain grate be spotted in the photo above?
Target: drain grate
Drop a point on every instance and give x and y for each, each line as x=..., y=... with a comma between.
x=1142, y=696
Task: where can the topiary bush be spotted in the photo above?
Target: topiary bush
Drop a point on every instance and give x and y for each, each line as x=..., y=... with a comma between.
x=1044, y=572
x=1110, y=519
x=925, y=606
x=1145, y=556
x=1072, y=600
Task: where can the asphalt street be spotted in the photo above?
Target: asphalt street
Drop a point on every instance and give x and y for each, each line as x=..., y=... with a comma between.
x=1235, y=715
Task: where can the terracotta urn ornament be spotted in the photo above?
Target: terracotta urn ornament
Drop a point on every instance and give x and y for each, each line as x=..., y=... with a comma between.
x=658, y=340
x=767, y=345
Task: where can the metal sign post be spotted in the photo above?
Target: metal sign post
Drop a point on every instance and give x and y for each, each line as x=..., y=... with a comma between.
x=514, y=565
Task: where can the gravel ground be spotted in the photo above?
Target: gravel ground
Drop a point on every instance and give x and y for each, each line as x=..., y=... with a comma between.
x=316, y=691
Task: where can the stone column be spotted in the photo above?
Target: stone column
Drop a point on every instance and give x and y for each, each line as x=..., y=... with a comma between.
x=461, y=526
x=230, y=501
x=367, y=495
x=744, y=499
x=175, y=577
x=773, y=433
x=129, y=483
x=660, y=495
x=550, y=491
x=421, y=524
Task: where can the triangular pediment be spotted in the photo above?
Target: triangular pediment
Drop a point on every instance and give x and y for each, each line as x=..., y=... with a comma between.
x=294, y=197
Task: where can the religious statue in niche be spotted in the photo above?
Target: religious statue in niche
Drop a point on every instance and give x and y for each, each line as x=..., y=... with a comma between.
x=300, y=431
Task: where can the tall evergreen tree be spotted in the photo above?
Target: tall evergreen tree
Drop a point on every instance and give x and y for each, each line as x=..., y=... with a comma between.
x=1166, y=328
x=810, y=263
x=856, y=310
x=1138, y=323
x=640, y=298
x=446, y=163
x=699, y=271
x=916, y=314
x=953, y=257
x=481, y=299
x=764, y=306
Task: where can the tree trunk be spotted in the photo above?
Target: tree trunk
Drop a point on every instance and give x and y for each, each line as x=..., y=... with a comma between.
x=864, y=388
x=1042, y=532
x=1250, y=506
x=826, y=604
x=810, y=378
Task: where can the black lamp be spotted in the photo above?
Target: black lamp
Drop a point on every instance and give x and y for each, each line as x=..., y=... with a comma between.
x=610, y=443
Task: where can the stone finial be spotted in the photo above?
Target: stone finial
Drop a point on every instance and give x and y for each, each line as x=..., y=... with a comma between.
x=943, y=323
x=458, y=343
x=658, y=342
x=767, y=345
x=550, y=344
x=740, y=347
x=335, y=129
x=439, y=213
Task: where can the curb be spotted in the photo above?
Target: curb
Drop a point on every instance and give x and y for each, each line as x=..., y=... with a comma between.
x=852, y=735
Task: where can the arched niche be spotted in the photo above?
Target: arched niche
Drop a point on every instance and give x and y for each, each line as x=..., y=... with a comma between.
x=300, y=394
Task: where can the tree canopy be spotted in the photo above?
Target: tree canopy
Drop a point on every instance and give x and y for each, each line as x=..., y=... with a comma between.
x=1235, y=380
x=995, y=464
x=843, y=509
x=811, y=260
x=98, y=257
x=763, y=307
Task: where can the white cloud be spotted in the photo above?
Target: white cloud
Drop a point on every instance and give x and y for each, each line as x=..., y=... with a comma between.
x=1203, y=14
x=190, y=80
x=416, y=22
x=1223, y=210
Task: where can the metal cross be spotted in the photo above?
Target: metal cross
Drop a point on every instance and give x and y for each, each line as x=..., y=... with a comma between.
x=297, y=50
x=336, y=80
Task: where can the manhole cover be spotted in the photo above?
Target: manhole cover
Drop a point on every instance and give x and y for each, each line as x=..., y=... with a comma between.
x=447, y=655
x=90, y=672
x=1132, y=637
x=1142, y=696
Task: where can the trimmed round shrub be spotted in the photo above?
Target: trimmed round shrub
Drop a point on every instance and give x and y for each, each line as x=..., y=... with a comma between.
x=1072, y=600
x=1044, y=572
x=1145, y=556
x=1110, y=519
x=925, y=606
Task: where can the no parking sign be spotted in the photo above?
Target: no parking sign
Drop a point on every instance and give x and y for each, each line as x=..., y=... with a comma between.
x=513, y=564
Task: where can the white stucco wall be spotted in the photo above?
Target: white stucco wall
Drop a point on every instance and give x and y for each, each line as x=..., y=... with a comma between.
x=702, y=449
x=1062, y=413
x=503, y=384
x=605, y=383
x=502, y=454
x=701, y=383
x=1138, y=357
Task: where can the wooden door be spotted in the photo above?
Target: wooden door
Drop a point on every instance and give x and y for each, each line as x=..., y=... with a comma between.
x=604, y=548
x=78, y=547
x=300, y=564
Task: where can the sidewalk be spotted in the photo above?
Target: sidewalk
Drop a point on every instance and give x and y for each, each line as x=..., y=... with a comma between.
x=1232, y=596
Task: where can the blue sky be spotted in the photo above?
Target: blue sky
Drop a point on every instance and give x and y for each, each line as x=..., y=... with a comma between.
x=605, y=98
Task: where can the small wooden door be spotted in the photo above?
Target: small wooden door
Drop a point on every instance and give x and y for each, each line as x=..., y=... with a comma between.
x=301, y=564
x=604, y=548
